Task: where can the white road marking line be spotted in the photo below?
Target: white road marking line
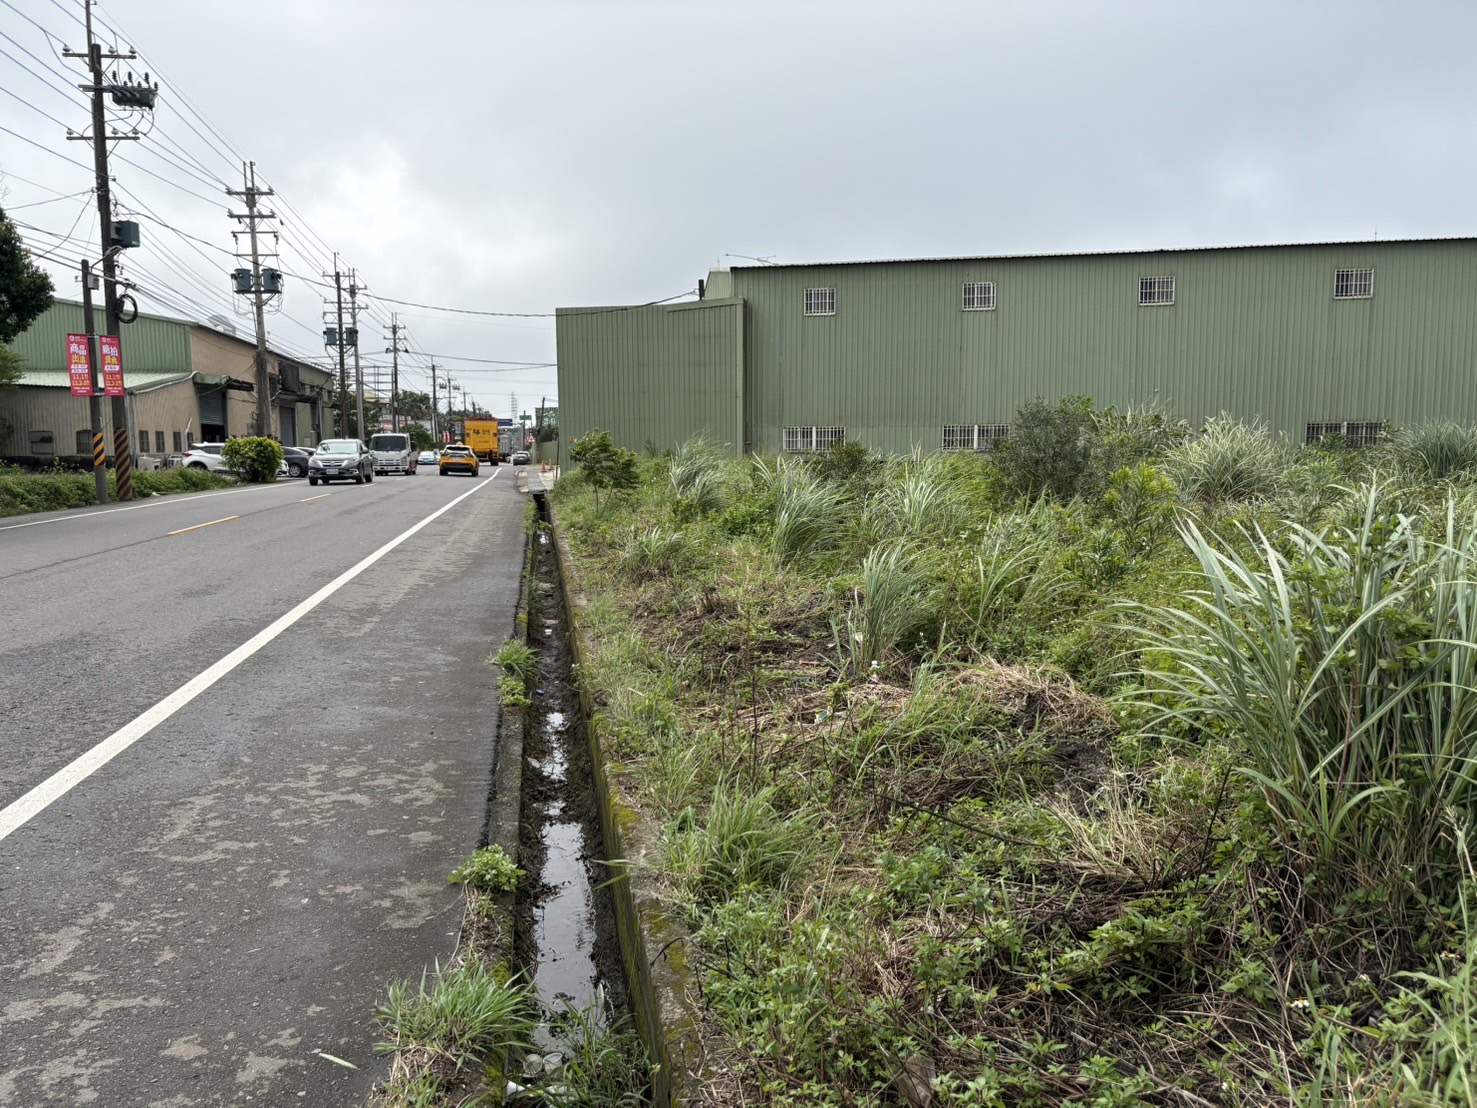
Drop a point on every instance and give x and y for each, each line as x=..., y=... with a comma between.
x=310, y=499
x=20, y=812
x=212, y=523
x=153, y=502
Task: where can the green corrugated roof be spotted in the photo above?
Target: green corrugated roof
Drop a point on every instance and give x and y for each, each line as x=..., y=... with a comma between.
x=142, y=379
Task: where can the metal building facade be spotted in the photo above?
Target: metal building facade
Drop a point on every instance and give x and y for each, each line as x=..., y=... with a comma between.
x=653, y=375
x=896, y=353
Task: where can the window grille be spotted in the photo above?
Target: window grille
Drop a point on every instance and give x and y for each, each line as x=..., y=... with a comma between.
x=1359, y=433
x=84, y=442
x=158, y=442
x=809, y=440
x=43, y=445
x=178, y=440
x=143, y=442
x=1353, y=284
x=979, y=296
x=1154, y=291
x=820, y=301
x=975, y=436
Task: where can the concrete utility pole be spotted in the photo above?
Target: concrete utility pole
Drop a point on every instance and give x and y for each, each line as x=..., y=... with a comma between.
x=258, y=293
x=95, y=401
x=435, y=414
x=343, y=369
x=130, y=95
x=396, y=351
x=354, y=291
x=450, y=422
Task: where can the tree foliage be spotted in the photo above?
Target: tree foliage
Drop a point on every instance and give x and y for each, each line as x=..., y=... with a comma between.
x=25, y=292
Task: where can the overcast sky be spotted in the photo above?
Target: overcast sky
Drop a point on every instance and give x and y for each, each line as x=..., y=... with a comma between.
x=515, y=157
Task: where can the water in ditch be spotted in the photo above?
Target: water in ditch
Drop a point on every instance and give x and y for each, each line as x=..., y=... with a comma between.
x=566, y=931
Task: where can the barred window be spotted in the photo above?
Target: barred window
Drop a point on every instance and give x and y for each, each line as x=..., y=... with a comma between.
x=158, y=442
x=975, y=436
x=143, y=442
x=1359, y=432
x=1353, y=284
x=177, y=443
x=979, y=296
x=820, y=301
x=84, y=441
x=1154, y=291
x=808, y=440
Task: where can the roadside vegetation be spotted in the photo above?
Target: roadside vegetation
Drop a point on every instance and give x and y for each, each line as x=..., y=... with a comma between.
x=1129, y=764
x=23, y=490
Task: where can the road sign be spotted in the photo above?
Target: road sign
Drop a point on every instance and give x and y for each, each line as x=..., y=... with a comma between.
x=112, y=355
x=79, y=365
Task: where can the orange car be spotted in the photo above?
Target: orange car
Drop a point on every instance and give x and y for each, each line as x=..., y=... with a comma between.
x=459, y=459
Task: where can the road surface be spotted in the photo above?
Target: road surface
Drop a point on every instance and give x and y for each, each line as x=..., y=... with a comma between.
x=300, y=718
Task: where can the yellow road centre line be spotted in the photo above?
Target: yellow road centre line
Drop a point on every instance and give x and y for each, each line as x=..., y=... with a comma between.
x=310, y=499
x=197, y=526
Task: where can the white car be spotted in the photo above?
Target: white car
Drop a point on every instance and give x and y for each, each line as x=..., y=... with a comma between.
x=207, y=456
x=427, y=458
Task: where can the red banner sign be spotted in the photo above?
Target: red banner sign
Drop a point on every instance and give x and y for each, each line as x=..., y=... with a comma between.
x=112, y=355
x=79, y=365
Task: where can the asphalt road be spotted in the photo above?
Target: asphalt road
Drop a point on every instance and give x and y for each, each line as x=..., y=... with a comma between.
x=202, y=917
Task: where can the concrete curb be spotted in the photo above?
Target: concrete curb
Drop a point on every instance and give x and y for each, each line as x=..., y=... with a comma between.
x=654, y=944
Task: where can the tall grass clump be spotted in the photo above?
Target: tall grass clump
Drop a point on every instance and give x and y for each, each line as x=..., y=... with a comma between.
x=696, y=478
x=1344, y=663
x=468, y=1014
x=740, y=840
x=920, y=499
x=655, y=551
x=808, y=513
x=1229, y=461
x=1435, y=451
x=890, y=605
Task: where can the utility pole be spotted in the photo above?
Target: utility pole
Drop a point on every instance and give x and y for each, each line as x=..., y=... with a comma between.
x=396, y=350
x=450, y=422
x=354, y=291
x=259, y=291
x=95, y=401
x=435, y=414
x=132, y=95
x=334, y=336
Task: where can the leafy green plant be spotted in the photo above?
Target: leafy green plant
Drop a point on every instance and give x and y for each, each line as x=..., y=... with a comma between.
x=603, y=465
x=466, y=1016
x=256, y=459
x=490, y=870
x=603, y=1063
x=1141, y=501
x=1050, y=447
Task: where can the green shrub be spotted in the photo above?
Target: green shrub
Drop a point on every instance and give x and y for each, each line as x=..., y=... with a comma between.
x=740, y=840
x=1435, y=451
x=46, y=493
x=1050, y=447
x=517, y=659
x=256, y=459
x=602, y=464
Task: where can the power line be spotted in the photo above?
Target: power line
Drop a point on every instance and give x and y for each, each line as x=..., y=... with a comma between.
x=528, y=315
x=49, y=150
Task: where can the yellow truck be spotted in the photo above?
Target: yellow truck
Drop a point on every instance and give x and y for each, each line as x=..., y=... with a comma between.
x=481, y=437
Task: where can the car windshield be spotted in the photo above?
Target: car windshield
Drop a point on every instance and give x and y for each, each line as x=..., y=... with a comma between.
x=339, y=448
x=389, y=442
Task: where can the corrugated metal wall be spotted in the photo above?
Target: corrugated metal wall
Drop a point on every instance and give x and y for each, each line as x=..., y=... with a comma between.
x=150, y=343
x=169, y=409
x=1254, y=332
x=657, y=375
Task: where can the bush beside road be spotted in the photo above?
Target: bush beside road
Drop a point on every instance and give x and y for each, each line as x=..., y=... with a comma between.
x=22, y=491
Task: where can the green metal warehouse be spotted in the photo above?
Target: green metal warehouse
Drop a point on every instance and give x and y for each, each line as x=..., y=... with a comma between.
x=940, y=352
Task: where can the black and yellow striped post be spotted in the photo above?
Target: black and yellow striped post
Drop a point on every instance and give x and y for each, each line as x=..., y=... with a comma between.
x=99, y=451
x=122, y=463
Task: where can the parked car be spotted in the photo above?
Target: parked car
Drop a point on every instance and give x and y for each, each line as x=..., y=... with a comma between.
x=348, y=459
x=459, y=459
x=295, y=458
x=427, y=458
x=393, y=453
x=207, y=456
x=521, y=458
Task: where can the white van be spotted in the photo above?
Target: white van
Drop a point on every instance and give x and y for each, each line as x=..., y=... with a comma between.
x=392, y=453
